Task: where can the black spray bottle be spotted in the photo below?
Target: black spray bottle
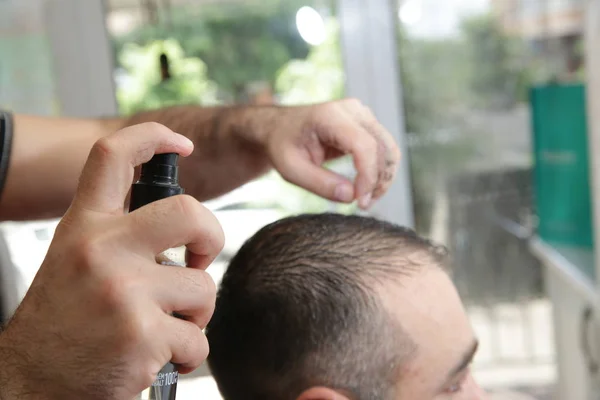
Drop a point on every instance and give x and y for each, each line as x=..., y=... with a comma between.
x=159, y=180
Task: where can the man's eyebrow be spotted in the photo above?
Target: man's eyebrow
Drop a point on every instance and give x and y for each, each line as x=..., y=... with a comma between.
x=465, y=361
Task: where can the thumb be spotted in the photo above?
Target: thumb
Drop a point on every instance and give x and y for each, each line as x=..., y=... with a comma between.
x=301, y=171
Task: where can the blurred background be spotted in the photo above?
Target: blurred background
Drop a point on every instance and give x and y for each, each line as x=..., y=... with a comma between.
x=489, y=99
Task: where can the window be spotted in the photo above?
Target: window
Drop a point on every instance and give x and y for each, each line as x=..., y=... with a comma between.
x=466, y=106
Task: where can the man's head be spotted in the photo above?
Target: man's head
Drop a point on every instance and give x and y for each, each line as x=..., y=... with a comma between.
x=334, y=307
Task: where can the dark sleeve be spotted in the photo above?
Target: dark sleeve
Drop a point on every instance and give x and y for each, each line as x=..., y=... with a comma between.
x=6, y=133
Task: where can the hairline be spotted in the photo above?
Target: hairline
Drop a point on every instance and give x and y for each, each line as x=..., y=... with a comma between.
x=386, y=264
x=378, y=287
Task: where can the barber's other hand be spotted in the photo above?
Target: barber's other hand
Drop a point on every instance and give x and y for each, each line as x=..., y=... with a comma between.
x=299, y=140
x=95, y=323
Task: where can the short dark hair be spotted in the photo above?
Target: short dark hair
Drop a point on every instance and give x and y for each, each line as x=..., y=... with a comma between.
x=297, y=308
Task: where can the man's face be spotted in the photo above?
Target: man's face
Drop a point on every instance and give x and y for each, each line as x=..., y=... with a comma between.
x=428, y=308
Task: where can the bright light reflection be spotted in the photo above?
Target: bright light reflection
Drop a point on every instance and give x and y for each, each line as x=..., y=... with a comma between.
x=311, y=26
x=411, y=12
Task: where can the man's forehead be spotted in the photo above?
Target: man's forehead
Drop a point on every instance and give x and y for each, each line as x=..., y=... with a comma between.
x=427, y=306
x=420, y=290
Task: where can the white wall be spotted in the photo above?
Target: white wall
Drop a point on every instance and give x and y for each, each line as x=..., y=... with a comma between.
x=368, y=29
x=82, y=57
x=26, y=79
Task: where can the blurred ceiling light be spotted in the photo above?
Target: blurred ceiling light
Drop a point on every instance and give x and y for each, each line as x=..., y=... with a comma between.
x=311, y=26
x=411, y=12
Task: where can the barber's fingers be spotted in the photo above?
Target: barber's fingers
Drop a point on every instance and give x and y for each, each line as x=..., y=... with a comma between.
x=388, y=153
x=173, y=222
x=187, y=344
x=188, y=292
x=108, y=172
x=299, y=168
x=336, y=133
x=348, y=137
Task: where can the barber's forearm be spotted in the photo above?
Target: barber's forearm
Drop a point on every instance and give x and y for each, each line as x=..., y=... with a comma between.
x=229, y=149
x=45, y=163
x=49, y=153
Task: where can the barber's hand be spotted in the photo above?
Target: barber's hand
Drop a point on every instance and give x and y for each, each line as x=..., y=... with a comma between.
x=95, y=323
x=299, y=139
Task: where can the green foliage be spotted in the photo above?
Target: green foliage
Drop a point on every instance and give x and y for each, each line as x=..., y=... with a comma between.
x=444, y=81
x=433, y=80
x=433, y=75
x=496, y=70
x=142, y=88
x=318, y=78
x=244, y=50
x=441, y=77
x=241, y=44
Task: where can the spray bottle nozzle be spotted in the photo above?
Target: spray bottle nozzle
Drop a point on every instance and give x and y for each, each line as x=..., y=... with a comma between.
x=161, y=169
x=159, y=179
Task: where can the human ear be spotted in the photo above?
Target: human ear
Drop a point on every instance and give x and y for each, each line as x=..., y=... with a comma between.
x=321, y=393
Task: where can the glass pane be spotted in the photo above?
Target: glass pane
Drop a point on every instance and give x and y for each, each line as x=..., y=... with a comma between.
x=466, y=68
x=229, y=53
x=244, y=51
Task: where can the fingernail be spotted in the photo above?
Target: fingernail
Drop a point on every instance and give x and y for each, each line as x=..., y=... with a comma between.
x=344, y=193
x=365, y=201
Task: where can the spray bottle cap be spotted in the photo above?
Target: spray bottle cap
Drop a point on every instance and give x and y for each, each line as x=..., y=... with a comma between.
x=161, y=169
x=159, y=179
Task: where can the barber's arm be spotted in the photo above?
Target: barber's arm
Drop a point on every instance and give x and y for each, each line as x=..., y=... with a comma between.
x=45, y=161
x=233, y=146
